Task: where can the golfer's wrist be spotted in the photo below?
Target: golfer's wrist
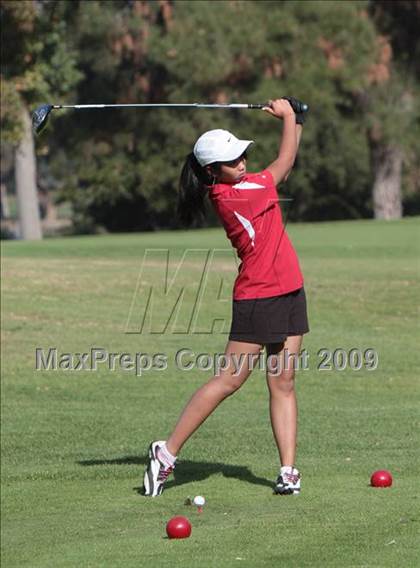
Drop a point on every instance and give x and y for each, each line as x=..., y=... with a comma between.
x=289, y=121
x=289, y=117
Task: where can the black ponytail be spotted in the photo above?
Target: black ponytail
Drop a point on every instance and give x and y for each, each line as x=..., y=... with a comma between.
x=194, y=184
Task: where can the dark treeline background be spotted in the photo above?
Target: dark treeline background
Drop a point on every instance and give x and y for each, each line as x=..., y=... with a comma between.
x=356, y=63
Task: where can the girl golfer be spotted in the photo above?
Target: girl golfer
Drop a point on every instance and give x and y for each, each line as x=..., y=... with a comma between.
x=269, y=307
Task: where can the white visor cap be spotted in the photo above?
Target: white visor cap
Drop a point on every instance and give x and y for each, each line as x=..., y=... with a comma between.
x=219, y=146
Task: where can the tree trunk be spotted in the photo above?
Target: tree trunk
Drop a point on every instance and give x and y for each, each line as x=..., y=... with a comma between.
x=387, y=164
x=4, y=205
x=26, y=190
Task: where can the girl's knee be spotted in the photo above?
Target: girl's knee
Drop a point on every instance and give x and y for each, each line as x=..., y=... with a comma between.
x=229, y=383
x=283, y=382
x=231, y=388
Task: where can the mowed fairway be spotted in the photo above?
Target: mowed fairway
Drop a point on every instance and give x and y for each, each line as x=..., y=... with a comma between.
x=74, y=443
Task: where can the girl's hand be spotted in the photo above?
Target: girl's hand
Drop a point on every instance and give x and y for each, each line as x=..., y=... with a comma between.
x=280, y=108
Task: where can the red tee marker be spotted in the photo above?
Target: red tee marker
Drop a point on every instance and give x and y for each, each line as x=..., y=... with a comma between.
x=178, y=527
x=381, y=478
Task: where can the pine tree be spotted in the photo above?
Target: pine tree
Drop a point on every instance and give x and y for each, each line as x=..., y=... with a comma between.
x=37, y=63
x=392, y=105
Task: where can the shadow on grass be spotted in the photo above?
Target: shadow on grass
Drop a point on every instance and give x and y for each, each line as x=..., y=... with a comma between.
x=188, y=471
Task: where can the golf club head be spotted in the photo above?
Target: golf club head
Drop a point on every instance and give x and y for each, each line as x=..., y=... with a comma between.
x=40, y=118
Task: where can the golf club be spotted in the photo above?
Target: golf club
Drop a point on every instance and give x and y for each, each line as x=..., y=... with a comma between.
x=40, y=115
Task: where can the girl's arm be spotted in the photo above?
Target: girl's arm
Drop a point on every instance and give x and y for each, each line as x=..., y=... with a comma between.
x=299, y=130
x=283, y=164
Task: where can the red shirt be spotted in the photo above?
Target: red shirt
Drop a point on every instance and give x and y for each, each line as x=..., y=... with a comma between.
x=251, y=215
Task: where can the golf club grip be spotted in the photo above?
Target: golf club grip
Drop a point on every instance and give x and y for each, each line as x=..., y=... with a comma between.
x=297, y=106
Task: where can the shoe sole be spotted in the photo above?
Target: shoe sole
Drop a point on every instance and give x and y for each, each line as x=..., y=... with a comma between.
x=286, y=491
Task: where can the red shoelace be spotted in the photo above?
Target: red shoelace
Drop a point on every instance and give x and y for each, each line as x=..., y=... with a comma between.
x=163, y=473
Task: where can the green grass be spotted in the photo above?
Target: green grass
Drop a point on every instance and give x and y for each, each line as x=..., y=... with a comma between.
x=74, y=443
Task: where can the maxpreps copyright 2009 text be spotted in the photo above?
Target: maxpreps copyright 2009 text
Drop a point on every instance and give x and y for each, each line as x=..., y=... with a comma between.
x=339, y=359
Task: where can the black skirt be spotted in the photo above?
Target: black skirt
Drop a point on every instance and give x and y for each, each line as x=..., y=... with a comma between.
x=269, y=320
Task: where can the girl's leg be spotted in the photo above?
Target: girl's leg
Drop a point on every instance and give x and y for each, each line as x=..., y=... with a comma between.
x=283, y=405
x=240, y=357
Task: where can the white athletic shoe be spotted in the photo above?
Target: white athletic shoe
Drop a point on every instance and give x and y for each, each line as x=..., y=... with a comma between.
x=288, y=482
x=156, y=473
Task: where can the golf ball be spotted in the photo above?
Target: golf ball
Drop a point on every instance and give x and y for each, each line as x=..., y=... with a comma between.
x=199, y=501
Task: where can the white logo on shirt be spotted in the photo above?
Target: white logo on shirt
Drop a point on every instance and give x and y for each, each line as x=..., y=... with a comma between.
x=247, y=225
x=248, y=185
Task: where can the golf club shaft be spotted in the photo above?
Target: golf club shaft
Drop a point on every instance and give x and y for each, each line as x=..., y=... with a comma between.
x=158, y=105
x=40, y=115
